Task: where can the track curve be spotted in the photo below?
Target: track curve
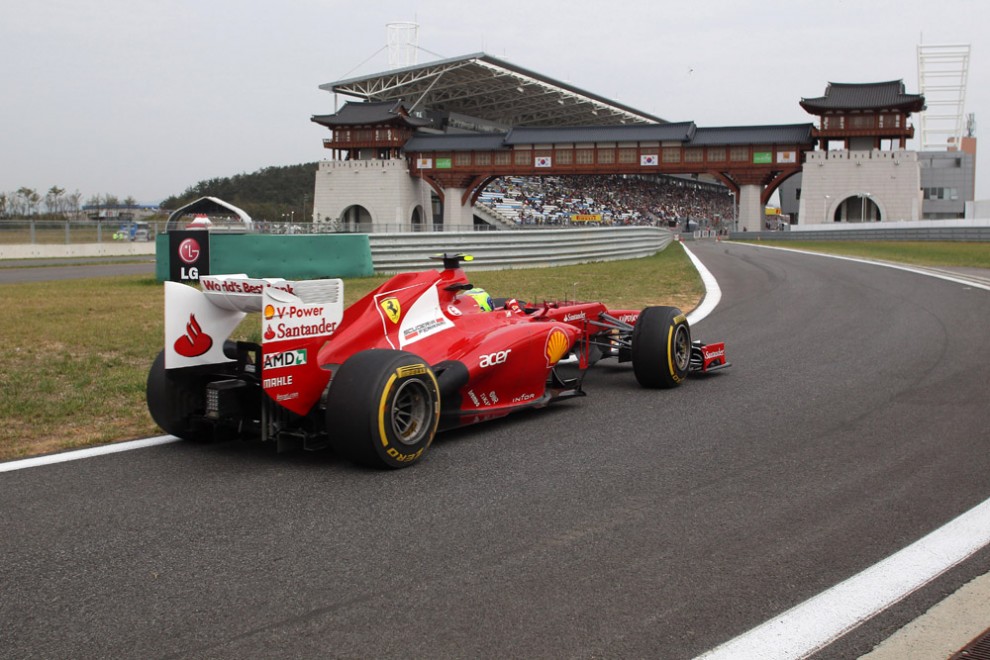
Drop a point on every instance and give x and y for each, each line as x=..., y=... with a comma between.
x=630, y=523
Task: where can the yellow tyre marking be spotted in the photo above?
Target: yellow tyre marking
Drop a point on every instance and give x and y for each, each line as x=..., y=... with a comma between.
x=670, y=350
x=381, y=409
x=403, y=372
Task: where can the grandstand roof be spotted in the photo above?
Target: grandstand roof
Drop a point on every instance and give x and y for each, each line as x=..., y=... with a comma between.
x=483, y=86
x=865, y=96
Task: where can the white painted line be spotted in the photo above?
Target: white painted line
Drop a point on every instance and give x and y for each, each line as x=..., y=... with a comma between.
x=975, y=282
x=102, y=450
x=812, y=625
x=713, y=294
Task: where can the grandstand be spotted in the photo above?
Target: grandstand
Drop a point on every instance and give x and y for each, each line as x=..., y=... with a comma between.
x=430, y=146
x=609, y=200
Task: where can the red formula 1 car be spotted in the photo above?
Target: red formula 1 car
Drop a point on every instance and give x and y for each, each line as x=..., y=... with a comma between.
x=376, y=381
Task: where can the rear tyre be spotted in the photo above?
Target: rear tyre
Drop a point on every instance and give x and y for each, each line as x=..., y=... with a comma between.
x=661, y=347
x=383, y=408
x=173, y=402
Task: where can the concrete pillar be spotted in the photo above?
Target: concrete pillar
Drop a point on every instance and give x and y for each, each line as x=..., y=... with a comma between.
x=750, y=208
x=455, y=216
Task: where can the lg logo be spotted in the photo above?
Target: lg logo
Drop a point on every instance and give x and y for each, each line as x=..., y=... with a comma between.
x=189, y=252
x=494, y=358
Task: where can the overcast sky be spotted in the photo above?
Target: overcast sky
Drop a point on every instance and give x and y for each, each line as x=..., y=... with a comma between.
x=145, y=98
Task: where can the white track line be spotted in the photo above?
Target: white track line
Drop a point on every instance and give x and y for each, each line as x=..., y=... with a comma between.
x=102, y=450
x=819, y=621
x=713, y=294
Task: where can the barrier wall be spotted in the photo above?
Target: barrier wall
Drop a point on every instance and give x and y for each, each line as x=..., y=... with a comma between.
x=920, y=230
x=498, y=250
x=292, y=257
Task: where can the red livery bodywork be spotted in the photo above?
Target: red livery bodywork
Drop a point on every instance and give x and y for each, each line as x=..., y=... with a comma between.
x=376, y=380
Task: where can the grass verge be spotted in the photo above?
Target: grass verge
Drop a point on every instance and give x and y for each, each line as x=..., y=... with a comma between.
x=917, y=253
x=78, y=351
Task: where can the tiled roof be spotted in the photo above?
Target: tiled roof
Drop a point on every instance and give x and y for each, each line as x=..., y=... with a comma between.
x=865, y=96
x=773, y=134
x=686, y=133
x=455, y=142
x=680, y=132
x=357, y=114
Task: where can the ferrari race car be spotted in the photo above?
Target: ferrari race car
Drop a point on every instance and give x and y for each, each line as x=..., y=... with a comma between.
x=423, y=352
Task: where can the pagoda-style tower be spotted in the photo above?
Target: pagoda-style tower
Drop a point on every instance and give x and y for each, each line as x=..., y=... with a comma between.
x=873, y=177
x=366, y=182
x=863, y=115
x=369, y=130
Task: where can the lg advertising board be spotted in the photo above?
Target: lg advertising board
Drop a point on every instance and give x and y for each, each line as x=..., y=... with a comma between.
x=189, y=254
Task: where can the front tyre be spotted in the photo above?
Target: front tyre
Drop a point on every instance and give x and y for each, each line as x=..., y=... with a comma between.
x=661, y=347
x=383, y=408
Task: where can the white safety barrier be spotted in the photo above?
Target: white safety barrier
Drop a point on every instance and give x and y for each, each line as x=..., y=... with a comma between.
x=498, y=250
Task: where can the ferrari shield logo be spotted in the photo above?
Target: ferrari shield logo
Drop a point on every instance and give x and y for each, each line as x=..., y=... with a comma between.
x=391, y=308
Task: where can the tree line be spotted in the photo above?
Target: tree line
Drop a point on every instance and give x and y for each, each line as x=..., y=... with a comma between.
x=57, y=203
x=271, y=193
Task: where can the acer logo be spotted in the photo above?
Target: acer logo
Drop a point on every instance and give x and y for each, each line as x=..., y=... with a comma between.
x=195, y=342
x=494, y=358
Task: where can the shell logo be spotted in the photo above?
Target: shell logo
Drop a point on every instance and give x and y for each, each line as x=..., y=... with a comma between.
x=557, y=345
x=269, y=312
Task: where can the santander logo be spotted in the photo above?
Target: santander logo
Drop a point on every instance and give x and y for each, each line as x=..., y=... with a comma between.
x=195, y=342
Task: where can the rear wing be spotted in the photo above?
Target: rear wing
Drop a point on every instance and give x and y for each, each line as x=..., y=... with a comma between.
x=197, y=322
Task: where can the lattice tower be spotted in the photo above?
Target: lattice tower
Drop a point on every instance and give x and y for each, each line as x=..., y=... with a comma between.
x=403, y=44
x=942, y=74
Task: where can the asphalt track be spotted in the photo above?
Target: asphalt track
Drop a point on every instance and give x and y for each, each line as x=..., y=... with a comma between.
x=46, y=270
x=628, y=524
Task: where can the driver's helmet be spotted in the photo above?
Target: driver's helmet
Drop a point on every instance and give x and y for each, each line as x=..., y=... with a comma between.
x=481, y=297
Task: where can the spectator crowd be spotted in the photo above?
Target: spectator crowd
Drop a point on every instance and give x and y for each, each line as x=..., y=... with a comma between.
x=610, y=200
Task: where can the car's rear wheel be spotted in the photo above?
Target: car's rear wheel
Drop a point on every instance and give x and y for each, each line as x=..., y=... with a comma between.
x=661, y=347
x=173, y=401
x=383, y=408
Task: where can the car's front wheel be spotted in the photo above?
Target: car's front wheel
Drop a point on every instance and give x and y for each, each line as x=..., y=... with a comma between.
x=661, y=347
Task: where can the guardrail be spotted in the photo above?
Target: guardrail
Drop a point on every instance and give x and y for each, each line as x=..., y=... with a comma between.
x=393, y=253
x=919, y=230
